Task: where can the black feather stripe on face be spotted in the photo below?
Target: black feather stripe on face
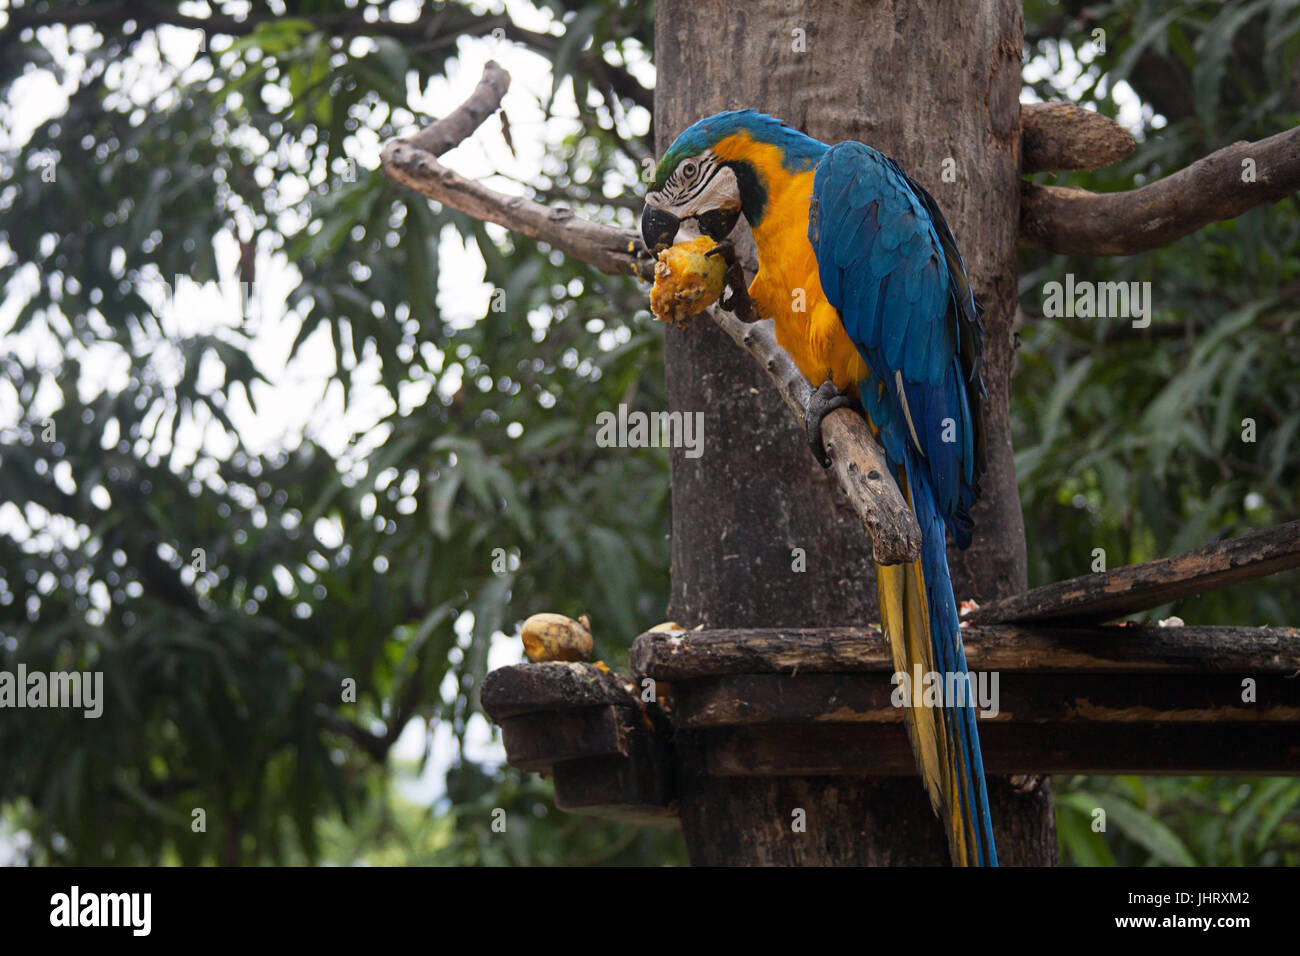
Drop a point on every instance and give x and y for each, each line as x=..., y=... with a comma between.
x=753, y=191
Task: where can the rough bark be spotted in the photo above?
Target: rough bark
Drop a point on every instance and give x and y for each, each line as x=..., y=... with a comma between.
x=1106, y=595
x=897, y=76
x=847, y=821
x=1056, y=136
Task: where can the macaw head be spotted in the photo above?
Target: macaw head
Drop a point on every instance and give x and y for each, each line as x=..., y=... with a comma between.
x=717, y=170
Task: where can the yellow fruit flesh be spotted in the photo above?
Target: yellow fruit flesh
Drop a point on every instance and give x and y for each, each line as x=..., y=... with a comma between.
x=687, y=281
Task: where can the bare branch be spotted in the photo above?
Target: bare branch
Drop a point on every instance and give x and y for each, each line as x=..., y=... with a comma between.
x=459, y=125
x=412, y=161
x=1220, y=186
x=857, y=461
x=1056, y=136
x=1107, y=595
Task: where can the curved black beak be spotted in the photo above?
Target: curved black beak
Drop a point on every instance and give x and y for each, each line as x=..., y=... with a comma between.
x=658, y=228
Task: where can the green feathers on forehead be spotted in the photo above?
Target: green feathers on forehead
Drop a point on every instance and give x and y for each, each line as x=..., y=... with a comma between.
x=801, y=151
x=678, y=152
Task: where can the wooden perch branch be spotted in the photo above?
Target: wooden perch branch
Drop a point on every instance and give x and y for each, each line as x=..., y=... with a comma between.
x=1216, y=187
x=857, y=461
x=413, y=161
x=1056, y=136
x=1107, y=595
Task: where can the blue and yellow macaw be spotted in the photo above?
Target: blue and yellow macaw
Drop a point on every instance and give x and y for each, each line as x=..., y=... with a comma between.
x=887, y=315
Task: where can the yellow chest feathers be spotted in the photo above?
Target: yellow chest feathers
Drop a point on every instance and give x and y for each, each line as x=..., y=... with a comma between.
x=787, y=290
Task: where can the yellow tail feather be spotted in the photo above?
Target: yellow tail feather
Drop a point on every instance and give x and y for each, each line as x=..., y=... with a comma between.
x=905, y=619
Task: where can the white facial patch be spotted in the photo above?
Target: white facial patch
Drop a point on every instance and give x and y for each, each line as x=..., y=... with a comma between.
x=722, y=191
x=697, y=185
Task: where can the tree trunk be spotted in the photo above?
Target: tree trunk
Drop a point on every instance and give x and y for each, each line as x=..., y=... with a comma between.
x=935, y=85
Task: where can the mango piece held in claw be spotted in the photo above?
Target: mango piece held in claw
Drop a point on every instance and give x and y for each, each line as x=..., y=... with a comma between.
x=686, y=280
x=554, y=637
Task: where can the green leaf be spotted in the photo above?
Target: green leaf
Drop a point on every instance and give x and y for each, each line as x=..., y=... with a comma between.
x=1148, y=832
x=442, y=500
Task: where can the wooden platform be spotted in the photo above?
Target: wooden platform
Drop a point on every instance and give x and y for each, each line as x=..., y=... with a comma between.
x=817, y=703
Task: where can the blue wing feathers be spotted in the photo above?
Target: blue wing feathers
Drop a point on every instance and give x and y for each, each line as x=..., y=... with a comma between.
x=861, y=302
x=898, y=316
x=884, y=257
x=854, y=241
x=888, y=262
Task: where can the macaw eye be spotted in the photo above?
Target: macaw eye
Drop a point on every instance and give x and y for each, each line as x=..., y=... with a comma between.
x=689, y=169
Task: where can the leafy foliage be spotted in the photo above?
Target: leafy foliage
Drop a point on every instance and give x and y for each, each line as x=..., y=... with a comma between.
x=1134, y=440
x=1172, y=821
x=227, y=594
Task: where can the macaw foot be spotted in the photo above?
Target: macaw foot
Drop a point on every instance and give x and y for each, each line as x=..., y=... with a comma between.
x=820, y=404
x=735, y=293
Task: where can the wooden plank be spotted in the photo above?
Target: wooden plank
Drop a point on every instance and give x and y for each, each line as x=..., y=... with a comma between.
x=1107, y=595
x=1234, y=650
x=1024, y=697
x=883, y=749
x=636, y=787
x=553, y=685
x=539, y=741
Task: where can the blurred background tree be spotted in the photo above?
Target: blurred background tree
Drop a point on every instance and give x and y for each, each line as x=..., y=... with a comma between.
x=369, y=463
x=1130, y=439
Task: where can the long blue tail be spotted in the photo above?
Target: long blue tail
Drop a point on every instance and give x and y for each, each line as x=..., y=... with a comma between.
x=966, y=762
